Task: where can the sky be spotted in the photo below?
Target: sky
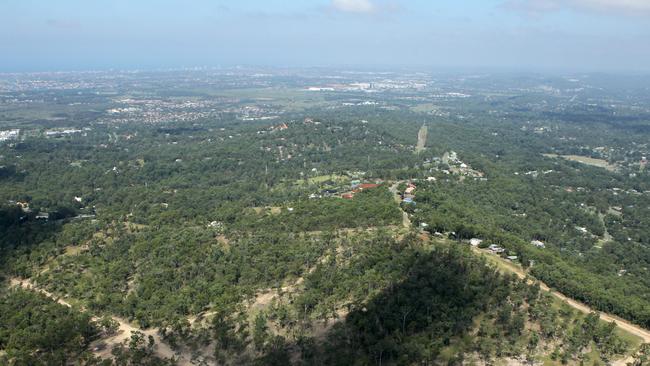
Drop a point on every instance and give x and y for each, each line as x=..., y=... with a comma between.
x=522, y=35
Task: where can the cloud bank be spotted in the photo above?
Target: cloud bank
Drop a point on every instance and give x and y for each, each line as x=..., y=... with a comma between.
x=610, y=7
x=354, y=6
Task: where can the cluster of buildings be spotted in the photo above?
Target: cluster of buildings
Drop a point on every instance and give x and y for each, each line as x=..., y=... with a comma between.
x=357, y=187
x=450, y=95
x=63, y=132
x=257, y=113
x=49, y=81
x=165, y=110
x=408, y=195
x=24, y=206
x=375, y=85
x=499, y=250
x=450, y=164
x=8, y=135
x=457, y=166
x=329, y=192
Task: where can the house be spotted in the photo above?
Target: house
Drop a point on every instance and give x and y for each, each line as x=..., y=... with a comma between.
x=511, y=257
x=216, y=224
x=424, y=225
x=367, y=186
x=538, y=243
x=581, y=229
x=409, y=190
x=475, y=242
x=431, y=179
x=42, y=216
x=24, y=206
x=348, y=196
x=496, y=249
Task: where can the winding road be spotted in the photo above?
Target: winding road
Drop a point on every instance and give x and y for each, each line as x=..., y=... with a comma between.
x=622, y=323
x=629, y=327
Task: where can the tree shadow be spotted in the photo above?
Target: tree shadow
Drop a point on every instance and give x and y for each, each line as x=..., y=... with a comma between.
x=20, y=233
x=413, y=321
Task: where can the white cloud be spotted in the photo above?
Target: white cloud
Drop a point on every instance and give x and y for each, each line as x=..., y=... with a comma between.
x=354, y=6
x=626, y=7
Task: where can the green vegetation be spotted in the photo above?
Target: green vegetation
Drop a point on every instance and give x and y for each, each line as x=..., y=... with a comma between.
x=36, y=331
x=226, y=219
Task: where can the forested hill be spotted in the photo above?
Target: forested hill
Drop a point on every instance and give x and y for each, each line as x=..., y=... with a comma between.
x=282, y=225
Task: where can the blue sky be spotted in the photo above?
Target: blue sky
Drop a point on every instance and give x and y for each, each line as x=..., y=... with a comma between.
x=578, y=35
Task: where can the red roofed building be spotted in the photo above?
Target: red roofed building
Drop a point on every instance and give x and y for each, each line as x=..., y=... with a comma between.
x=368, y=185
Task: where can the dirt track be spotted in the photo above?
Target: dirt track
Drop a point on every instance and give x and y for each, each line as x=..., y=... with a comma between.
x=622, y=323
x=125, y=328
x=634, y=329
x=406, y=221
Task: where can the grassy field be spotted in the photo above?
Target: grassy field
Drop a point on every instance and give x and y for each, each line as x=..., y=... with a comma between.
x=424, y=108
x=322, y=178
x=586, y=160
x=288, y=98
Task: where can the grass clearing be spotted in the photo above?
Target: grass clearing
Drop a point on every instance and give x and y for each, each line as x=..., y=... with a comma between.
x=273, y=210
x=600, y=163
x=322, y=179
x=424, y=108
x=288, y=98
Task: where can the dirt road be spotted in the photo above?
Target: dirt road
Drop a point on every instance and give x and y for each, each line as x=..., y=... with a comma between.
x=125, y=328
x=406, y=221
x=622, y=323
x=634, y=329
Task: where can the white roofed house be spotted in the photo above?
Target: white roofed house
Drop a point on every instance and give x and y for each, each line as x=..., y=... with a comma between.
x=496, y=249
x=538, y=244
